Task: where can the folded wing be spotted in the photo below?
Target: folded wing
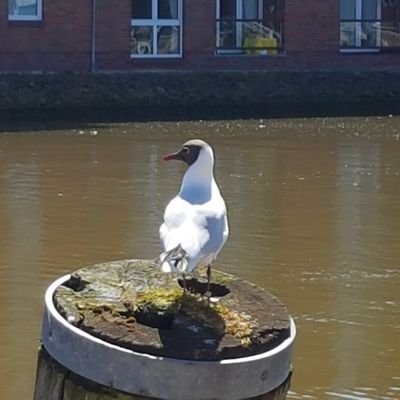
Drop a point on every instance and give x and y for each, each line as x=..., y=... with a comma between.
x=199, y=231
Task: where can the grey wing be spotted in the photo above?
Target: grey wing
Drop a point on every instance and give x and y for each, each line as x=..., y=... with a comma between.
x=217, y=228
x=226, y=230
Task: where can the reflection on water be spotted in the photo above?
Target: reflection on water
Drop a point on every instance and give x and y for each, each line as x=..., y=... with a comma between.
x=314, y=213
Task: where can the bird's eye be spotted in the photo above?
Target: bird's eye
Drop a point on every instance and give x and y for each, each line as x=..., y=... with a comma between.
x=186, y=150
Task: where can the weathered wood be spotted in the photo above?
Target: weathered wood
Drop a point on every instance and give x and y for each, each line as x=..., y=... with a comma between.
x=54, y=382
x=134, y=305
x=50, y=378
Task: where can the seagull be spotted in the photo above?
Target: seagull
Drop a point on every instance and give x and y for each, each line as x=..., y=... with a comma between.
x=195, y=226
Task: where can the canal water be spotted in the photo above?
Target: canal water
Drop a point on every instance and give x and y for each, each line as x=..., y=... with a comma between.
x=314, y=208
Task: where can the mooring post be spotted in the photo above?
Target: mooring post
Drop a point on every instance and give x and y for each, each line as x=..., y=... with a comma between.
x=125, y=330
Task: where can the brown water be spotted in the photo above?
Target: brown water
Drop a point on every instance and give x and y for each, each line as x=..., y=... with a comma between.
x=314, y=210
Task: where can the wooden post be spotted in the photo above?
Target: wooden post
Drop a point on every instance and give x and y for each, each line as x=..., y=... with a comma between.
x=123, y=330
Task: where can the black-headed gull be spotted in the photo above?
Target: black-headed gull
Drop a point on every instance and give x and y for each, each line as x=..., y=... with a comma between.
x=195, y=224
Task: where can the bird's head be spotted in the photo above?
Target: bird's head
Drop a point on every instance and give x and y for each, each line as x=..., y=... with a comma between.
x=191, y=151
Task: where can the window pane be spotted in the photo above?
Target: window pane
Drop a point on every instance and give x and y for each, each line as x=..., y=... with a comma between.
x=348, y=9
x=141, y=9
x=250, y=9
x=390, y=10
x=348, y=34
x=142, y=40
x=167, y=9
x=369, y=34
x=369, y=9
x=390, y=34
x=227, y=9
x=168, y=40
x=23, y=7
x=257, y=29
x=227, y=34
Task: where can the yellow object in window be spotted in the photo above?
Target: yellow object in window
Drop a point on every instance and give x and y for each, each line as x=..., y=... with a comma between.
x=271, y=43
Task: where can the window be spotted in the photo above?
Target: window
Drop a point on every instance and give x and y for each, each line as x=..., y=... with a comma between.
x=156, y=28
x=24, y=10
x=390, y=24
x=369, y=25
x=249, y=26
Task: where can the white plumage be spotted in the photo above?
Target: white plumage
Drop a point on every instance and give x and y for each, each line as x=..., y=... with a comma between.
x=195, y=224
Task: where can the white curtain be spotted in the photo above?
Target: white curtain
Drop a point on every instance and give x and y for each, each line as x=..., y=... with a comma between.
x=173, y=8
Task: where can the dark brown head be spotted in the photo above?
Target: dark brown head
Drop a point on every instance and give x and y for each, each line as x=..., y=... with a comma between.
x=190, y=151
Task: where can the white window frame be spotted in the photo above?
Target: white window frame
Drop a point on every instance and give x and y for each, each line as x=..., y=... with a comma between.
x=154, y=22
x=239, y=15
x=37, y=17
x=358, y=16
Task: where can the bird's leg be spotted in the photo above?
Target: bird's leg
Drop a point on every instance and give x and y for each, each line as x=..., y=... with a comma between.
x=184, y=283
x=208, y=291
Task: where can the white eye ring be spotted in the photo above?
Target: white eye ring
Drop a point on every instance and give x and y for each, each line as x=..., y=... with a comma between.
x=186, y=149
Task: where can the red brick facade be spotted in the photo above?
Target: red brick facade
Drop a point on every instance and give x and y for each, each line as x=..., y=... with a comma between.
x=62, y=40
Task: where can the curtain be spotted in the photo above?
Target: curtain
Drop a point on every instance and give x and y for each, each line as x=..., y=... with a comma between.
x=348, y=9
x=369, y=9
x=250, y=9
x=141, y=9
x=22, y=7
x=168, y=9
x=227, y=8
x=173, y=8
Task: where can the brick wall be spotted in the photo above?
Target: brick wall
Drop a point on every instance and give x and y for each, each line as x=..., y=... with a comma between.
x=113, y=26
x=62, y=41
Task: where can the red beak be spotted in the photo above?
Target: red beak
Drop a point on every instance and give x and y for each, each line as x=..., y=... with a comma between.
x=168, y=157
x=173, y=156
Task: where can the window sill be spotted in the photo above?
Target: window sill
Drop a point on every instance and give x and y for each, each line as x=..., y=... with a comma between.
x=24, y=18
x=155, y=56
x=382, y=50
x=360, y=51
x=244, y=54
x=25, y=22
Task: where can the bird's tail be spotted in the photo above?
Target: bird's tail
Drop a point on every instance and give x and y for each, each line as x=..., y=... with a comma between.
x=174, y=259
